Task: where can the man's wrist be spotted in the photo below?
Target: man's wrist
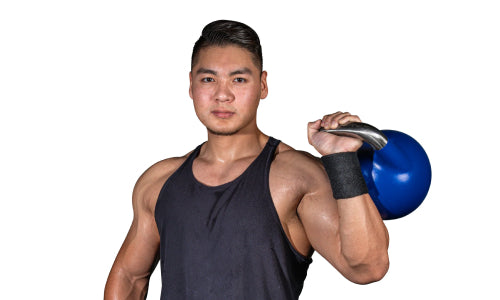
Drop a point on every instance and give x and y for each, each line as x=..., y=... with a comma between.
x=344, y=172
x=323, y=153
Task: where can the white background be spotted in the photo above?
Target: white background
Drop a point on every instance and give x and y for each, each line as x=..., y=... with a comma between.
x=94, y=92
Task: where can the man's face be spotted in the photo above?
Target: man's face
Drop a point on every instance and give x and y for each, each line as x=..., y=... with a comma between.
x=226, y=87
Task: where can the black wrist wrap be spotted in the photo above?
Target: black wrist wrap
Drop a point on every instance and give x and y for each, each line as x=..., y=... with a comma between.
x=345, y=175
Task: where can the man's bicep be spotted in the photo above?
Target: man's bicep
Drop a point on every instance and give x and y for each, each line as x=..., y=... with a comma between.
x=139, y=253
x=319, y=215
x=136, y=260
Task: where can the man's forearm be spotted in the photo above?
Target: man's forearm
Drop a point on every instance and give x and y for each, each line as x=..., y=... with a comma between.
x=122, y=287
x=364, y=238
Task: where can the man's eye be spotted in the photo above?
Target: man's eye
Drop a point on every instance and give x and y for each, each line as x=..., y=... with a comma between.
x=207, y=79
x=240, y=80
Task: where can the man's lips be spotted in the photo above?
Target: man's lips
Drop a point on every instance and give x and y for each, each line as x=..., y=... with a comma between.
x=223, y=114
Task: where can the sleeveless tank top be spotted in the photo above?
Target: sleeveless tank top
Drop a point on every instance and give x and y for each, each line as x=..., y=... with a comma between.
x=225, y=242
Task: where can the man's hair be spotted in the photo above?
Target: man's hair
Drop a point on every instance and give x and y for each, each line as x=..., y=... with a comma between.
x=224, y=33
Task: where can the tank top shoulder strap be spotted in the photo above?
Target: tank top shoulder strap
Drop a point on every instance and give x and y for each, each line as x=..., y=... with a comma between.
x=272, y=144
x=186, y=164
x=264, y=159
x=194, y=154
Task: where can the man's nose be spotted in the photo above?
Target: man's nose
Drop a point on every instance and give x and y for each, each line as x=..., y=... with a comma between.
x=224, y=93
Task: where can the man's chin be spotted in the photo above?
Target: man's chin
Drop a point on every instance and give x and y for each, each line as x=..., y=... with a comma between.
x=222, y=132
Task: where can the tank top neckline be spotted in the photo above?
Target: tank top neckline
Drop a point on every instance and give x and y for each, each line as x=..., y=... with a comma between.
x=259, y=157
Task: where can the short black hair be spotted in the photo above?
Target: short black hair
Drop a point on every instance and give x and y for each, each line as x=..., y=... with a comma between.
x=223, y=33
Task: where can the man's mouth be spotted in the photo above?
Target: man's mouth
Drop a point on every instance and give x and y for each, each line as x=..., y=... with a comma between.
x=223, y=114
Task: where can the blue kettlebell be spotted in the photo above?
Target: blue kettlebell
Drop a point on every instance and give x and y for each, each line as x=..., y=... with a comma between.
x=396, y=168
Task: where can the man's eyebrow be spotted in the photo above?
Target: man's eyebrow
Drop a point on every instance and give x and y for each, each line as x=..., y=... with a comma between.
x=206, y=71
x=241, y=71
x=235, y=72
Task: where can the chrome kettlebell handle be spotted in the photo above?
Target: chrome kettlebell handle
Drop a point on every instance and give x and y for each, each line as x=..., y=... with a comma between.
x=362, y=131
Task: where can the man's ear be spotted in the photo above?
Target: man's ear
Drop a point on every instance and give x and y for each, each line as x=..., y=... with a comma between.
x=190, y=85
x=263, y=85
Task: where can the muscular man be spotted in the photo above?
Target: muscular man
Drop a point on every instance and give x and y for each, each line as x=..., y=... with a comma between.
x=240, y=216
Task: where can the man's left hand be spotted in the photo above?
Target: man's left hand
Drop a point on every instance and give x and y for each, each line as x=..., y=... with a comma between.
x=326, y=143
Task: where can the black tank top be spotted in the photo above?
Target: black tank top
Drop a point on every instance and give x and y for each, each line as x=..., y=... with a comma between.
x=225, y=242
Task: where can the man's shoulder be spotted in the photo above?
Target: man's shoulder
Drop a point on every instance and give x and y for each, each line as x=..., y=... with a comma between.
x=165, y=167
x=149, y=184
x=287, y=153
x=294, y=174
x=292, y=161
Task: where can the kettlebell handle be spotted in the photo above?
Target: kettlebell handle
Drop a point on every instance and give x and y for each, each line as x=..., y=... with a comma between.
x=362, y=131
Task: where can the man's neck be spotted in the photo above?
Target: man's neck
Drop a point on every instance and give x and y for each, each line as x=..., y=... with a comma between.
x=222, y=149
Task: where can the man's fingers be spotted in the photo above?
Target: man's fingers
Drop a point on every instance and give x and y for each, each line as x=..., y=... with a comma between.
x=348, y=119
x=332, y=121
x=312, y=128
x=314, y=125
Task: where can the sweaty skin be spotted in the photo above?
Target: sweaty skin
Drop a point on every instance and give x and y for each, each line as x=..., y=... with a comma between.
x=226, y=88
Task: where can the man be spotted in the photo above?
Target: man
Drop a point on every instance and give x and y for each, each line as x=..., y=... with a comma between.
x=240, y=216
